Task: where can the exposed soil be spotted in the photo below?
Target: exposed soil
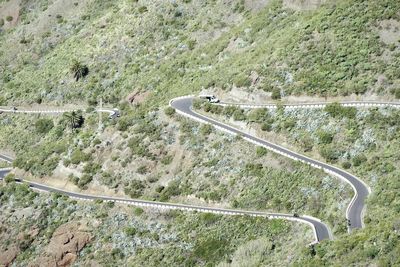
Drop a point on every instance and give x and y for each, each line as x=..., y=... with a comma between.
x=389, y=31
x=10, y=8
x=255, y=5
x=302, y=5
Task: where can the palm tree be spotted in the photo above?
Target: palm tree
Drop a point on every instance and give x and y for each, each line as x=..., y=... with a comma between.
x=73, y=119
x=79, y=70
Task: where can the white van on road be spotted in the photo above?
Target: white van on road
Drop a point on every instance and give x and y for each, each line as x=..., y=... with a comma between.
x=210, y=98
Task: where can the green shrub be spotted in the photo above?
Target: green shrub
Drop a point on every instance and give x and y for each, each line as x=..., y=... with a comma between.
x=191, y=44
x=124, y=123
x=215, y=109
x=254, y=169
x=242, y=80
x=130, y=231
x=346, y=165
x=329, y=153
x=138, y=148
x=210, y=248
x=359, y=159
x=206, y=129
x=276, y=94
x=229, y=110
x=306, y=142
x=169, y=111
x=142, y=169
x=91, y=168
x=84, y=180
x=261, y=151
x=238, y=115
x=135, y=188
x=288, y=123
x=9, y=178
x=117, y=254
x=78, y=156
x=324, y=137
x=266, y=127
x=44, y=126
x=171, y=190
x=9, y=18
x=1, y=22
x=74, y=179
x=397, y=93
x=338, y=111
x=197, y=103
x=96, y=141
x=159, y=188
x=142, y=9
x=138, y=211
x=167, y=160
x=258, y=115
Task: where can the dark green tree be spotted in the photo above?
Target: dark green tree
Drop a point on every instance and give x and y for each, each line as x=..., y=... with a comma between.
x=73, y=119
x=79, y=70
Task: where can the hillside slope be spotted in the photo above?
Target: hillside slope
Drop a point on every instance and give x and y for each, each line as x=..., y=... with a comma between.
x=173, y=48
x=136, y=55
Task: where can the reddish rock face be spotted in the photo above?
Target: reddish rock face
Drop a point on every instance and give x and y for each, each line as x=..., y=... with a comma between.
x=137, y=97
x=66, y=243
x=7, y=256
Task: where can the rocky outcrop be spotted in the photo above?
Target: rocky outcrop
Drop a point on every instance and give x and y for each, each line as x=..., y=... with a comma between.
x=64, y=247
x=7, y=256
x=137, y=97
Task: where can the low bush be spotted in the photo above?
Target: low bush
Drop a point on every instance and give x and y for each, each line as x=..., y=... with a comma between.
x=130, y=231
x=338, y=111
x=325, y=137
x=359, y=159
x=238, y=115
x=135, y=188
x=84, y=180
x=79, y=156
x=258, y=115
x=276, y=94
x=169, y=111
x=9, y=178
x=44, y=126
x=261, y=151
x=206, y=129
x=142, y=169
x=329, y=153
x=242, y=80
x=266, y=127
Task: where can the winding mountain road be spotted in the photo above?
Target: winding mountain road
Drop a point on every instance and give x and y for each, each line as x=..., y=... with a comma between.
x=183, y=106
x=320, y=230
x=354, y=212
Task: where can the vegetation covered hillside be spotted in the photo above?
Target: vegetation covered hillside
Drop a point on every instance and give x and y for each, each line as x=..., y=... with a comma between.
x=173, y=48
x=136, y=55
